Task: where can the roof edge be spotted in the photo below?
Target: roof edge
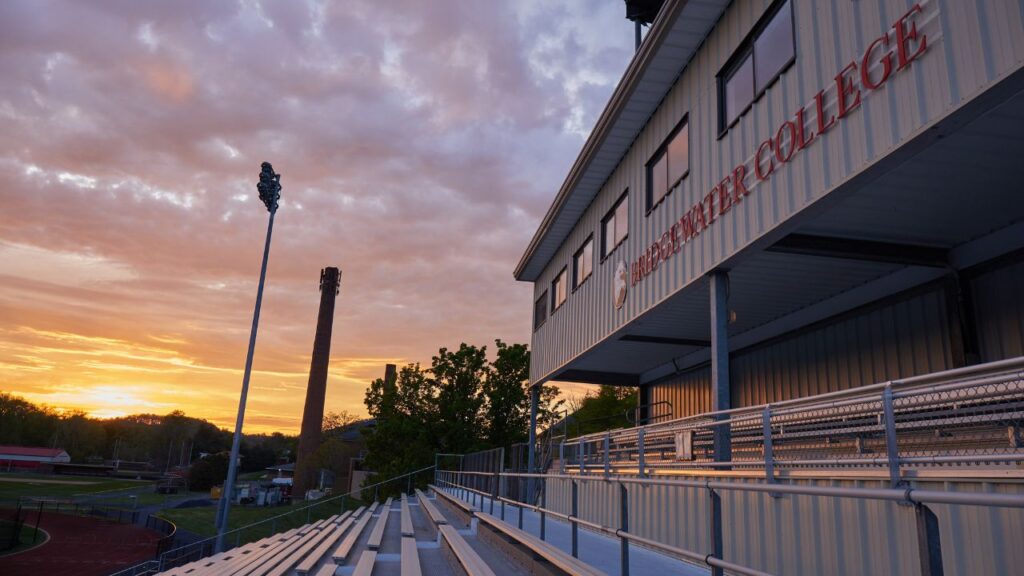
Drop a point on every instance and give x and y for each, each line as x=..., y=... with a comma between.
x=627, y=85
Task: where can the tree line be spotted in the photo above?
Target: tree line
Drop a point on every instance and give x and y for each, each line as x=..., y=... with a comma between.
x=162, y=441
x=465, y=403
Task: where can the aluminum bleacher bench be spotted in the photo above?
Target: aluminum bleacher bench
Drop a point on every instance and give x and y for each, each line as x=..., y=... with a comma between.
x=463, y=510
x=298, y=554
x=435, y=515
x=279, y=541
x=341, y=553
x=327, y=570
x=561, y=561
x=365, y=565
x=461, y=553
x=307, y=565
x=407, y=529
x=269, y=561
x=229, y=558
x=377, y=535
x=410, y=557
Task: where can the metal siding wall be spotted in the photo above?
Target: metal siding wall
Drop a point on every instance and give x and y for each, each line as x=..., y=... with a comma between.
x=808, y=535
x=689, y=393
x=999, y=312
x=907, y=337
x=971, y=44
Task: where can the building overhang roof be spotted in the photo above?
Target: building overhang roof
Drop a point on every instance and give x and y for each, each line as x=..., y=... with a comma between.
x=674, y=37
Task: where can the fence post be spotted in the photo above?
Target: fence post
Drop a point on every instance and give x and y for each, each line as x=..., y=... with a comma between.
x=607, y=449
x=715, y=526
x=929, y=545
x=575, y=524
x=561, y=456
x=501, y=492
x=769, y=453
x=891, y=447
x=520, y=507
x=641, y=461
x=543, y=504
x=583, y=455
x=624, y=527
x=495, y=484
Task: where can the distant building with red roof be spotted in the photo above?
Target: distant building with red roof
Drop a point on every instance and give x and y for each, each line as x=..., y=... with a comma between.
x=30, y=457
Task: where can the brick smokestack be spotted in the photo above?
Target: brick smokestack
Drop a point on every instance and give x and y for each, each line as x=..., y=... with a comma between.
x=316, y=390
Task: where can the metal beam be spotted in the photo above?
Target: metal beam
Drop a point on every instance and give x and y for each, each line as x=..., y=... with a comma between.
x=597, y=377
x=720, y=395
x=864, y=250
x=693, y=342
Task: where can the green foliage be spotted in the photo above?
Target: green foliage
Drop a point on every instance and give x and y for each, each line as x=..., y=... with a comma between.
x=208, y=472
x=461, y=404
x=604, y=410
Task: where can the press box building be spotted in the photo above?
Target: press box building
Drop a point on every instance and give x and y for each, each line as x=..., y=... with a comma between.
x=790, y=197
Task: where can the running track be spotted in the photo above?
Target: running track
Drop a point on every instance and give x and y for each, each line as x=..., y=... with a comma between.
x=82, y=546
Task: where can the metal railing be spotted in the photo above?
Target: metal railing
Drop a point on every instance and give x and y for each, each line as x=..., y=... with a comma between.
x=292, y=519
x=969, y=416
x=466, y=485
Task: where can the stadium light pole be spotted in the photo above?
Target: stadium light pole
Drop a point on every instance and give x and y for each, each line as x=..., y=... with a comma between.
x=269, y=188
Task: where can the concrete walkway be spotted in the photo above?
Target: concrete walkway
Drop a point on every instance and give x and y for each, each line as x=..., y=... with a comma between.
x=598, y=550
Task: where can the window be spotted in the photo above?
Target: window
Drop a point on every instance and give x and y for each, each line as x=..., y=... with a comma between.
x=540, y=310
x=669, y=166
x=759, y=60
x=615, y=226
x=583, y=263
x=559, y=290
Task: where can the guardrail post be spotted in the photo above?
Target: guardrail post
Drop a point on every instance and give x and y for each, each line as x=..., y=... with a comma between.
x=891, y=447
x=769, y=452
x=583, y=455
x=624, y=527
x=501, y=492
x=640, y=459
x=520, y=507
x=342, y=504
x=495, y=484
x=543, y=503
x=929, y=545
x=715, y=525
x=561, y=457
x=607, y=450
x=575, y=524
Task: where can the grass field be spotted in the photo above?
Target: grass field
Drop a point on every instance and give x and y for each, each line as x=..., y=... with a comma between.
x=25, y=540
x=14, y=486
x=201, y=520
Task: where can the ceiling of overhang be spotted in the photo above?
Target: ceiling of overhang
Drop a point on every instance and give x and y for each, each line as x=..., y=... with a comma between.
x=685, y=35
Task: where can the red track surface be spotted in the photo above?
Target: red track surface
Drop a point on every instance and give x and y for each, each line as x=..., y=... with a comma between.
x=81, y=546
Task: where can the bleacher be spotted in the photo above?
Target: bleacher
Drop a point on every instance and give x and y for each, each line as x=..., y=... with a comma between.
x=433, y=532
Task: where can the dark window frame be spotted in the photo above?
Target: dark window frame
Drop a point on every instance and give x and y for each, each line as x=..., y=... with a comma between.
x=576, y=282
x=605, y=253
x=739, y=56
x=555, y=305
x=661, y=152
x=543, y=300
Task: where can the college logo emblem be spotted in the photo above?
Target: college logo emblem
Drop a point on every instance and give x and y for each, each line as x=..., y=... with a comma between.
x=619, y=285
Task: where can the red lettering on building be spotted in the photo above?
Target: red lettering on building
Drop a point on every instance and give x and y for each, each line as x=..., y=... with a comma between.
x=846, y=90
x=792, y=136
x=865, y=72
x=904, y=36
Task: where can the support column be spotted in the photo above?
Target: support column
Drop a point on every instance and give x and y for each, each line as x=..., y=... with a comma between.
x=720, y=395
x=531, y=465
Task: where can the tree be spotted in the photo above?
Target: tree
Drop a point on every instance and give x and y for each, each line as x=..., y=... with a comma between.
x=606, y=409
x=338, y=420
x=508, y=399
x=459, y=378
x=208, y=472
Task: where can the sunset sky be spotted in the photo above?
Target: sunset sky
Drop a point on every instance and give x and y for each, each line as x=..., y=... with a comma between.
x=419, y=145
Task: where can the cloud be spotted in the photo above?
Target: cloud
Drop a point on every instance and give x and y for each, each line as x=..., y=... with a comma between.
x=419, y=144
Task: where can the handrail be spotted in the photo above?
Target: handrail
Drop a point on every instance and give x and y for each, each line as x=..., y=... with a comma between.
x=1012, y=366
